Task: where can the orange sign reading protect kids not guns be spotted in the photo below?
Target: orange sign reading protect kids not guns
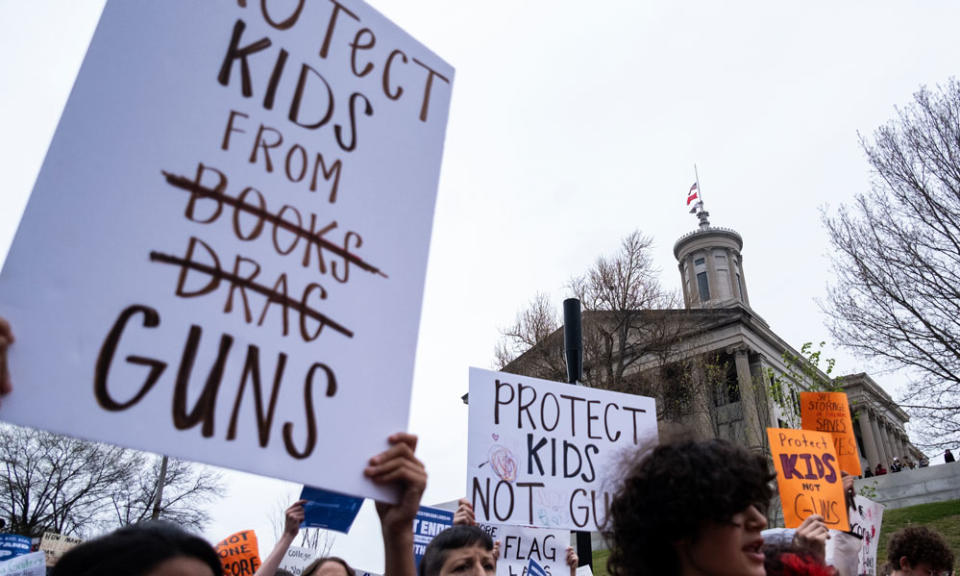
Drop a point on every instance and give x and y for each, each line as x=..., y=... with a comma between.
x=830, y=412
x=808, y=477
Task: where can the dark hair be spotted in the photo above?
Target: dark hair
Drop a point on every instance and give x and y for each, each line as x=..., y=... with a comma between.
x=671, y=494
x=459, y=536
x=920, y=545
x=135, y=550
x=316, y=564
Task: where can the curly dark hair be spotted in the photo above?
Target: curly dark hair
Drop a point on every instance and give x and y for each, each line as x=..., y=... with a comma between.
x=459, y=536
x=671, y=494
x=136, y=550
x=920, y=545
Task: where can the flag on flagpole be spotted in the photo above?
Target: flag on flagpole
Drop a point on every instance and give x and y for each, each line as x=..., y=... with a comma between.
x=534, y=569
x=693, y=194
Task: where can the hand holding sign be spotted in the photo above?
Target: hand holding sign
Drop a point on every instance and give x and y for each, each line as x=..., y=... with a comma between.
x=398, y=465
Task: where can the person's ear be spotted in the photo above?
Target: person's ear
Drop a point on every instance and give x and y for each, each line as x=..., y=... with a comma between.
x=904, y=563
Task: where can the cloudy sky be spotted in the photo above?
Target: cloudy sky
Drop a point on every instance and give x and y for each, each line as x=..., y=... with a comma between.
x=573, y=124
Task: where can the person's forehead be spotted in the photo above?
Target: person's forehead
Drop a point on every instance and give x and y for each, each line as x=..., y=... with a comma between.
x=477, y=549
x=331, y=569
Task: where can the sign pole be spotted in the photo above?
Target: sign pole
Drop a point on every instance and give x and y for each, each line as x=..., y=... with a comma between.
x=573, y=351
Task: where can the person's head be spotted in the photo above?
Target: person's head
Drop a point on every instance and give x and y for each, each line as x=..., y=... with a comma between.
x=464, y=550
x=919, y=550
x=151, y=549
x=328, y=566
x=690, y=506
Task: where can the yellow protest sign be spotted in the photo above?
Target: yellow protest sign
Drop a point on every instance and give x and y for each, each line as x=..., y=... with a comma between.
x=239, y=554
x=830, y=412
x=808, y=477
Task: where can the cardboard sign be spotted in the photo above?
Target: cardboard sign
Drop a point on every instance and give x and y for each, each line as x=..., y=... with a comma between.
x=428, y=523
x=866, y=521
x=239, y=554
x=329, y=510
x=808, y=477
x=830, y=412
x=584, y=570
x=32, y=564
x=12, y=545
x=296, y=559
x=545, y=454
x=224, y=254
x=55, y=545
x=519, y=545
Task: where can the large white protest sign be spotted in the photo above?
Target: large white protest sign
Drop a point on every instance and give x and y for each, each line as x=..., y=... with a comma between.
x=32, y=564
x=546, y=454
x=866, y=521
x=224, y=254
x=519, y=544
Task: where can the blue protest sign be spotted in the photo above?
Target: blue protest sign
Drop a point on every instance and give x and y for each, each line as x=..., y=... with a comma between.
x=329, y=510
x=12, y=545
x=428, y=523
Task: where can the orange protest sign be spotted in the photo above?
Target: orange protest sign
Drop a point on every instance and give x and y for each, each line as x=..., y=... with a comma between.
x=830, y=412
x=239, y=554
x=808, y=477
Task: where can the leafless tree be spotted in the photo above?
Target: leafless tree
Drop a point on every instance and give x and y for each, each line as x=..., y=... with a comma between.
x=625, y=326
x=896, y=294
x=73, y=487
x=187, y=488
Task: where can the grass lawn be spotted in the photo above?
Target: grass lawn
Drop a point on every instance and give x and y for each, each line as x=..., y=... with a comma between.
x=944, y=517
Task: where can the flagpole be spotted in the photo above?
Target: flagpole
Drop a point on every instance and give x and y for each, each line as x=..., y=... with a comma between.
x=699, y=188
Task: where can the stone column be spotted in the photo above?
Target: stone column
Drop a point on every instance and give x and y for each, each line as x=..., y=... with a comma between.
x=683, y=284
x=743, y=281
x=713, y=280
x=903, y=446
x=692, y=275
x=752, y=426
x=869, y=440
x=881, y=449
x=887, y=444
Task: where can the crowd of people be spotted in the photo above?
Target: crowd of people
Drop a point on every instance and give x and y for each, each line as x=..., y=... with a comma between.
x=688, y=508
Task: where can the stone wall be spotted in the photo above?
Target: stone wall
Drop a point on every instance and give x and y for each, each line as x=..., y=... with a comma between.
x=912, y=487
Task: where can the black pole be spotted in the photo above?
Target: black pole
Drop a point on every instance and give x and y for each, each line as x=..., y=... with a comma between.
x=573, y=351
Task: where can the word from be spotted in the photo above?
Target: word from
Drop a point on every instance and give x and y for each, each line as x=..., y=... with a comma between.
x=296, y=162
x=521, y=398
x=364, y=40
x=502, y=501
x=204, y=410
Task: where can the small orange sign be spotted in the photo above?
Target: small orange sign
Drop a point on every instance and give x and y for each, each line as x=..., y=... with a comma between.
x=239, y=554
x=830, y=412
x=808, y=477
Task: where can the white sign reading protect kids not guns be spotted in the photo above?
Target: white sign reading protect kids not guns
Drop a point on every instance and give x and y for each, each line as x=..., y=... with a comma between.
x=545, y=454
x=232, y=221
